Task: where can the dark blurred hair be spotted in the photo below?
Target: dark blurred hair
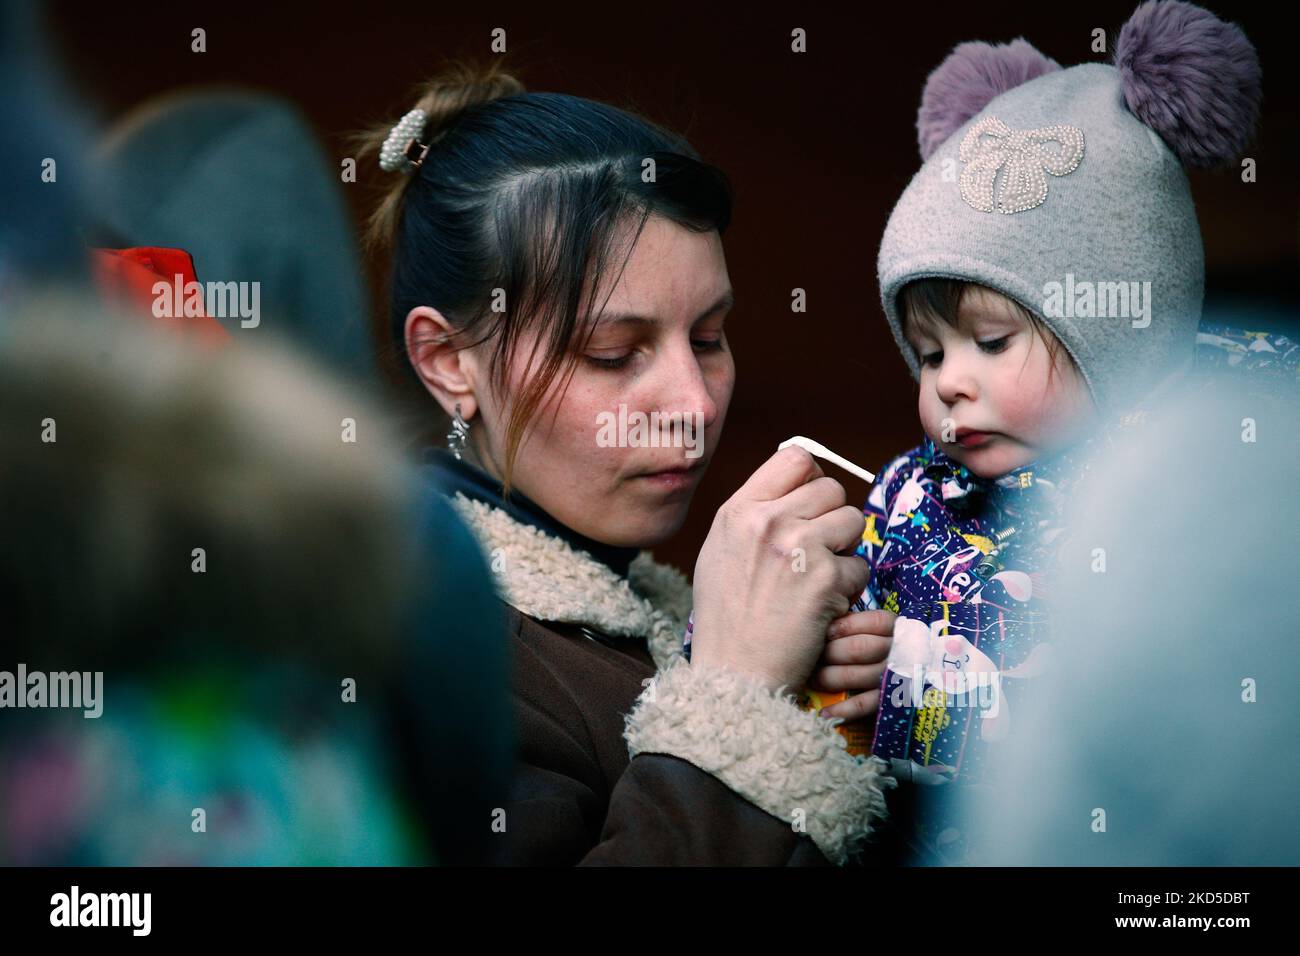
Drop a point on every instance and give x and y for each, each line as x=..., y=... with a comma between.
x=939, y=299
x=528, y=193
x=163, y=447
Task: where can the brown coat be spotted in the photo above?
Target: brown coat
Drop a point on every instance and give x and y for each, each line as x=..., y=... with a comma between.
x=626, y=755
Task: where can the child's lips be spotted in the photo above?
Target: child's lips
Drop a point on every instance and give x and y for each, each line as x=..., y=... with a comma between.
x=973, y=439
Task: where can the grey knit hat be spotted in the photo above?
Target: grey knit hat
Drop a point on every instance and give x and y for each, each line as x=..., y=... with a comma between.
x=1064, y=189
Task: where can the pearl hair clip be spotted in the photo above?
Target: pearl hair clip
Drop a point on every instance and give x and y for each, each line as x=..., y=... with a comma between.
x=821, y=451
x=403, y=149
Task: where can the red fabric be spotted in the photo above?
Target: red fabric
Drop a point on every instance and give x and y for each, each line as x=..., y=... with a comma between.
x=127, y=277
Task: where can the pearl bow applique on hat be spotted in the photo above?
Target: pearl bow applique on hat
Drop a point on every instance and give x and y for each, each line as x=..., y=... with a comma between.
x=1023, y=156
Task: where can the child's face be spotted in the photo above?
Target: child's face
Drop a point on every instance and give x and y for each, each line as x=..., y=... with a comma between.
x=986, y=399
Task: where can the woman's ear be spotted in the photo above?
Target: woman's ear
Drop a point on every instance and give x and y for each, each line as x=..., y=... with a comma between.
x=447, y=372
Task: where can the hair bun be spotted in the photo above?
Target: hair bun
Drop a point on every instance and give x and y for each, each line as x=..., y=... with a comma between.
x=439, y=103
x=457, y=89
x=1192, y=78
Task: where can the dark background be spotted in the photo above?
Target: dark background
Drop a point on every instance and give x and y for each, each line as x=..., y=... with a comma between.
x=818, y=146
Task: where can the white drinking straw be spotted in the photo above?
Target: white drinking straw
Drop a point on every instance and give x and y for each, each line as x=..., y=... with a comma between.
x=821, y=451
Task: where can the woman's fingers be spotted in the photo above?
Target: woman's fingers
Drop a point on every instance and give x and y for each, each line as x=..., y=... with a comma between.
x=852, y=575
x=857, y=649
x=857, y=707
x=781, y=474
x=875, y=621
x=773, y=573
x=816, y=498
x=841, y=529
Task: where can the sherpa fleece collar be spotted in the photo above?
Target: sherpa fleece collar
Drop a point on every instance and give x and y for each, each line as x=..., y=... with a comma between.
x=545, y=578
x=757, y=742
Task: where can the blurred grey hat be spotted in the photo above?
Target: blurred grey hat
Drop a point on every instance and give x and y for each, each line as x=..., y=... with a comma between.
x=237, y=179
x=1065, y=190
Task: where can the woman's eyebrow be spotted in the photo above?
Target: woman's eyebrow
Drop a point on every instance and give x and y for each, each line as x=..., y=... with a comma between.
x=725, y=301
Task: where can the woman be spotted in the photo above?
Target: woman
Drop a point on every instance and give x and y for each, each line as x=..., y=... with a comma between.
x=557, y=265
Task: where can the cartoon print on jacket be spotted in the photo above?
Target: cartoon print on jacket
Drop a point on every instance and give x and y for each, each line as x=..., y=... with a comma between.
x=963, y=561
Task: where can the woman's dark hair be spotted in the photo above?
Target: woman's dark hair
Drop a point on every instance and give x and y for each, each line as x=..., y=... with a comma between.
x=939, y=299
x=523, y=197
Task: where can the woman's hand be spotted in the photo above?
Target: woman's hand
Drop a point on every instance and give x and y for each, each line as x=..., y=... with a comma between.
x=854, y=660
x=769, y=580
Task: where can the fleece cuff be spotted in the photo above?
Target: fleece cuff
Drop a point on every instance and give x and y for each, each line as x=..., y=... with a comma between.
x=787, y=761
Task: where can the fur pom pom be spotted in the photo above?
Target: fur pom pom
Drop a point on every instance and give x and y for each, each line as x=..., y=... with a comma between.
x=964, y=83
x=1192, y=78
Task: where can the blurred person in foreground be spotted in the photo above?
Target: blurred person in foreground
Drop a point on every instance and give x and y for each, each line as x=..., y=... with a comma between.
x=297, y=654
x=1164, y=738
x=291, y=647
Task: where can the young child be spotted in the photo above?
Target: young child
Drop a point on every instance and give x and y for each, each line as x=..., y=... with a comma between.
x=1041, y=274
x=960, y=529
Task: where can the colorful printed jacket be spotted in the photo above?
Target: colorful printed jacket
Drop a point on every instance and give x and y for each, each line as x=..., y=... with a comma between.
x=963, y=561
x=966, y=564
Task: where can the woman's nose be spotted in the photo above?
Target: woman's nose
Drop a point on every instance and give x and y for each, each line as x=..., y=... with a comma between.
x=685, y=389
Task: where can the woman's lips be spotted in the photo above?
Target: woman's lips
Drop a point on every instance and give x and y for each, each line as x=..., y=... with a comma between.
x=674, y=480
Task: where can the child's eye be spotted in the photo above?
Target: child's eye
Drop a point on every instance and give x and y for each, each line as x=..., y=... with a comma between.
x=994, y=346
x=707, y=345
x=932, y=359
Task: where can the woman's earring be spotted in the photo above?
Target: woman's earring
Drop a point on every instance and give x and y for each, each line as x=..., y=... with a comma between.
x=459, y=432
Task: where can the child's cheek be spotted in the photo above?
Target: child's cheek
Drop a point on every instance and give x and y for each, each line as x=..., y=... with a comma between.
x=1043, y=414
x=1069, y=407
x=1018, y=403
